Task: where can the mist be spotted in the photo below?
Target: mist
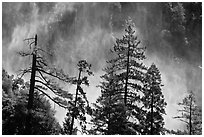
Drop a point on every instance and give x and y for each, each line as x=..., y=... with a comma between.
x=75, y=31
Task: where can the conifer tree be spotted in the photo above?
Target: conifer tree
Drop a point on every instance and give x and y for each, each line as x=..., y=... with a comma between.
x=109, y=113
x=123, y=83
x=154, y=103
x=129, y=62
x=191, y=114
x=130, y=71
x=80, y=105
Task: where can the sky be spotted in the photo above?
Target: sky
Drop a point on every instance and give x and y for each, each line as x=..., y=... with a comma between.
x=75, y=31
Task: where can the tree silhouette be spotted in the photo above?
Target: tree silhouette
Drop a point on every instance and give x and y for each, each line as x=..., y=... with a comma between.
x=129, y=57
x=190, y=114
x=154, y=103
x=123, y=85
x=131, y=71
x=109, y=112
x=80, y=105
x=43, y=79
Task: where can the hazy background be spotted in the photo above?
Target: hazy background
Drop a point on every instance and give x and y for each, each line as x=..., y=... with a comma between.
x=74, y=31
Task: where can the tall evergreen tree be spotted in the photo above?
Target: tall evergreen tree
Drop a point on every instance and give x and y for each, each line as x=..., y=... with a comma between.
x=80, y=105
x=154, y=103
x=130, y=71
x=191, y=114
x=129, y=61
x=109, y=113
x=123, y=83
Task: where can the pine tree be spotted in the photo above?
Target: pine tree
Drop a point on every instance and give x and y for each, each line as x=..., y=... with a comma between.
x=154, y=103
x=124, y=84
x=191, y=114
x=128, y=61
x=130, y=71
x=109, y=113
x=80, y=105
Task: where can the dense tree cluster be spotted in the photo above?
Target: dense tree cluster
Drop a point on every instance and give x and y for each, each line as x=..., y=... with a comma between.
x=14, y=109
x=154, y=103
x=131, y=100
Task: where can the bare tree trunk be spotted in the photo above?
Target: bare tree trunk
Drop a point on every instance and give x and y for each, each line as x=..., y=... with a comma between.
x=75, y=102
x=28, y=128
x=127, y=69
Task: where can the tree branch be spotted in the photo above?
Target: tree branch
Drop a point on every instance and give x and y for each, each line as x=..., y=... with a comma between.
x=47, y=86
x=28, y=39
x=58, y=103
x=44, y=51
x=184, y=121
x=39, y=61
x=24, y=71
x=53, y=75
x=183, y=111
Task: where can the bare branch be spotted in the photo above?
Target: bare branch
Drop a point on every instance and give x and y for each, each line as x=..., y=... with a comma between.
x=41, y=70
x=28, y=39
x=38, y=77
x=31, y=44
x=24, y=54
x=63, y=79
x=47, y=86
x=44, y=51
x=54, y=89
x=58, y=103
x=42, y=76
x=39, y=61
x=183, y=111
x=184, y=121
x=24, y=71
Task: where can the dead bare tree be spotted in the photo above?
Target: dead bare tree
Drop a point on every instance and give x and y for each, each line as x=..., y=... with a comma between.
x=43, y=79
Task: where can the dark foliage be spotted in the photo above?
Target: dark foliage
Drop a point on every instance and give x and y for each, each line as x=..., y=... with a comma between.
x=80, y=105
x=14, y=109
x=154, y=103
